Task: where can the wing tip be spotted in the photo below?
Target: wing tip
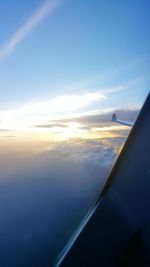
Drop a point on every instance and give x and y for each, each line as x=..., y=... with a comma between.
x=114, y=117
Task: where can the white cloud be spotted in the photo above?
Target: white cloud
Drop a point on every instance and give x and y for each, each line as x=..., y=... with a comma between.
x=48, y=7
x=113, y=89
x=90, y=153
x=63, y=103
x=37, y=112
x=109, y=128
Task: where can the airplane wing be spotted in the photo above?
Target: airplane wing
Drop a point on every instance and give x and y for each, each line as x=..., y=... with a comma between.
x=115, y=119
x=117, y=230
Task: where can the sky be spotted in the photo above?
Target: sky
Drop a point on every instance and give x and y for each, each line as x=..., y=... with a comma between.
x=65, y=67
x=65, y=58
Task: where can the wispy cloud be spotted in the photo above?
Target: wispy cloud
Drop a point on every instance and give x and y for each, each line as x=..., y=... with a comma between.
x=34, y=112
x=60, y=107
x=113, y=89
x=47, y=8
x=63, y=103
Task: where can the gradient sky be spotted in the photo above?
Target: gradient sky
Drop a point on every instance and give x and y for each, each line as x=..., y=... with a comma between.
x=70, y=57
x=65, y=66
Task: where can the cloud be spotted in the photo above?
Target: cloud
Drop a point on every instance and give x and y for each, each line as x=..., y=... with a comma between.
x=63, y=103
x=56, y=185
x=48, y=7
x=62, y=109
x=101, y=119
x=36, y=112
x=88, y=152
x=52, y=125
x=90, y=127
x=113, y=89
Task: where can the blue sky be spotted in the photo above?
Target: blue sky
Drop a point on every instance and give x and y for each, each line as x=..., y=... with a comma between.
x=51, y=49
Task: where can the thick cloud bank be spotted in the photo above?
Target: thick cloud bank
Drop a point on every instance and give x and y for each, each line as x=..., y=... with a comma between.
x=43, y=203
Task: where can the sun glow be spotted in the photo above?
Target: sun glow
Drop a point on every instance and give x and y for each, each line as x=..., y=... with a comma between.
x=34, y=113
x=70, y=130
x=25, y=120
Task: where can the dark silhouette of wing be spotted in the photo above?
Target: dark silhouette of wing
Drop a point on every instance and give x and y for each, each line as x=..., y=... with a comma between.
x=117, y=231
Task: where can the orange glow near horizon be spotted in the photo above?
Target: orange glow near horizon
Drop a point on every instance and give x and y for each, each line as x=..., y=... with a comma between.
x=19, y=147
x=35, y=136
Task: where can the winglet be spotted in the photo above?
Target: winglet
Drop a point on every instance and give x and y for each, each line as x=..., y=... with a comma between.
x=114, y=117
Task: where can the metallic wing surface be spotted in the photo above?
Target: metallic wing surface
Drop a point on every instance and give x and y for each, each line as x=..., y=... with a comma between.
x=115, y=119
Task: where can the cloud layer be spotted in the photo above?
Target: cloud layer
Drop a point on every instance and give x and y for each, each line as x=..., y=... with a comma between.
x=33, y=113
x=59, y=184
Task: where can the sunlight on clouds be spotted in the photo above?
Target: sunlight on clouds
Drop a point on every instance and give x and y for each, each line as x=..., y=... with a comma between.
x=74, y=125
x=73, y=129
x=109, y=128
x=24, y=120
x=31, y=114
x=36, y=139
x=62, y=103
